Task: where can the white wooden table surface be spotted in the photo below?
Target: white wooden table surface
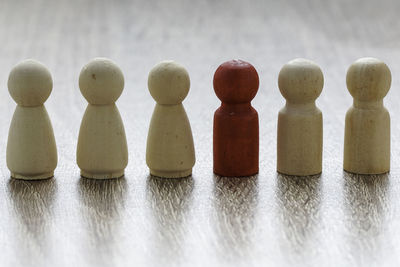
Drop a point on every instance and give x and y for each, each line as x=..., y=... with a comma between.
x=332, y=220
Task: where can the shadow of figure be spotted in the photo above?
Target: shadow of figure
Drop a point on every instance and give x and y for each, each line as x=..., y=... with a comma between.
x=103, y=204
x=169, y=201
x=33, y=204
x=299, y=200
x=366, y=205
x=235, y=201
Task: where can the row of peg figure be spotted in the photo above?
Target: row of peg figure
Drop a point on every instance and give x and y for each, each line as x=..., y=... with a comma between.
x=102, y=151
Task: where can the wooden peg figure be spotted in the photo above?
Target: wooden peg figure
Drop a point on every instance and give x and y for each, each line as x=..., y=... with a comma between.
x=102, y=150
x=235, y=134
x=299, y=146
x=367, y=128
x=31, y=147
x=170, y=149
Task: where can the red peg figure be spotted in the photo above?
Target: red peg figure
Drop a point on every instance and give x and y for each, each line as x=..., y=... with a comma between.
x=235, y=140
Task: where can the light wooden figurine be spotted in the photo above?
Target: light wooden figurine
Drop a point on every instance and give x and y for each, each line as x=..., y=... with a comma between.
x=367, y=128
x=102, y=149
x=31, y=147
x=299, y=146
x=170, y=150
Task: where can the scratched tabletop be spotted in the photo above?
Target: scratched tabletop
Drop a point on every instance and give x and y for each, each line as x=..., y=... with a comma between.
x=334, y=219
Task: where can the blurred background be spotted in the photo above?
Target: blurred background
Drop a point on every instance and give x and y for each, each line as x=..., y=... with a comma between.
x=333, y=220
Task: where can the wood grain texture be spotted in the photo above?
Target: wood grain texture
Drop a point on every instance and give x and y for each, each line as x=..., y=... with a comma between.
x=268, y=220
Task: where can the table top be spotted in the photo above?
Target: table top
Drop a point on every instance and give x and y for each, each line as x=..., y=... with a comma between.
x=335, y=219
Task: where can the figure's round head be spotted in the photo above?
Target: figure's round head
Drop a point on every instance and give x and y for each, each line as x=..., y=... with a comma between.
x=168, y=83
x=368, y=79
x=30, y=83
x=300, y=81
x=236, y=82
x=101, y=81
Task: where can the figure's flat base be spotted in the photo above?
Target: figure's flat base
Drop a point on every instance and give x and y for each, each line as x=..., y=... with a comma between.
x=222, y=174
x=102, y=176
x=299, y=175
x=32, y=177
x=171, y=174
x=367, y=173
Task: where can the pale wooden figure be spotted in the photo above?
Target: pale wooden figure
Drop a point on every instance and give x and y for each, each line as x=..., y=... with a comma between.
x=367, y=129
x=299, y=146
x=170, y=150
x=31, y=147
x=102, y=151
